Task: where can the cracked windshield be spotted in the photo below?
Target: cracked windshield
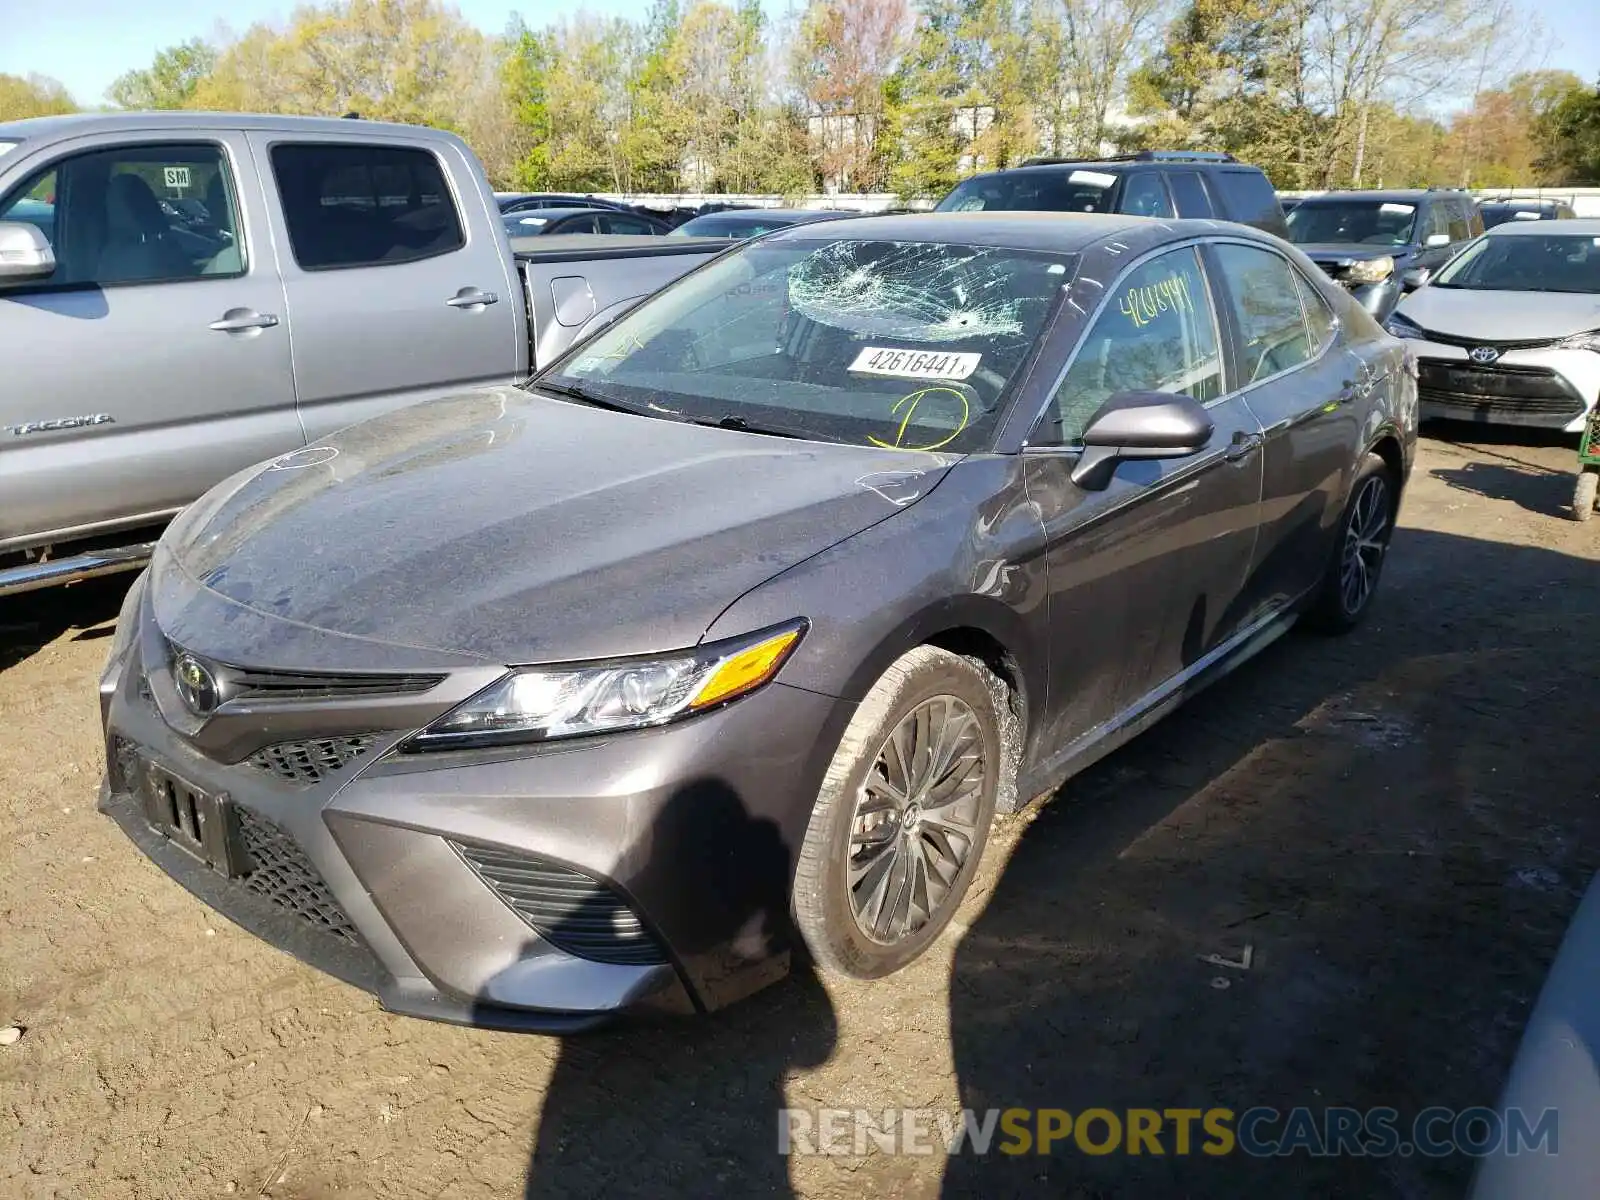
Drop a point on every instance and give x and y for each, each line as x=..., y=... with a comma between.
x=908, y=345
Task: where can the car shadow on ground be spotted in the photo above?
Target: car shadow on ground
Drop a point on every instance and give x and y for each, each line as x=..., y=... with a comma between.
x=32, y=620
x=1396, y=824
x=1510, y=475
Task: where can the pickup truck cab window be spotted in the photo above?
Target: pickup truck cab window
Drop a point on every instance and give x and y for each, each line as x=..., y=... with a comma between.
x=139, y=214
x=349, y=205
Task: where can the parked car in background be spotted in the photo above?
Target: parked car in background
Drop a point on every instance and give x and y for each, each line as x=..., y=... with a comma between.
x=1509, y=331
x=1147, y=184
x=548, y=222
x=340, y=269
x=744, y=618
x=510, y=202
x=748, y=223
x=1379, y=244
x=1497, y=212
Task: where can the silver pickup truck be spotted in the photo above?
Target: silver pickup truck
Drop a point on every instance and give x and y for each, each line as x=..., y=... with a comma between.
x=185, y=294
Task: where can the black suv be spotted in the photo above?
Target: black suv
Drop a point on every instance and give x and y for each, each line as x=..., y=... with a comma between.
x=1151, y=183
x=1381, y=245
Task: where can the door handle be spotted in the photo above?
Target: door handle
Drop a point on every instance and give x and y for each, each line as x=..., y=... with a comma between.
x=1243, y=445
x=241, y=320
x=469, y=297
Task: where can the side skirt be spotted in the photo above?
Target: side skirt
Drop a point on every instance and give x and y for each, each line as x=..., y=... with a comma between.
x=1100, y=741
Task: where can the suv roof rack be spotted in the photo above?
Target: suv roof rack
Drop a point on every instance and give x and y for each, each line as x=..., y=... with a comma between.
x=1138, y=156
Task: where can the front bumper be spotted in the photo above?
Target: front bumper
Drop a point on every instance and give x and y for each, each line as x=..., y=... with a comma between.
x=1541, y=388
x=410, y=876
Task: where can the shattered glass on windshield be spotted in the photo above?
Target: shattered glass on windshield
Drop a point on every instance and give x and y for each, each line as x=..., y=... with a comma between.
x=914, y=291
x=904, y=345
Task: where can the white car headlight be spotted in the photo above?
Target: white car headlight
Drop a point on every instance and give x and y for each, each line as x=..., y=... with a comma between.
x=1402, y=327
x=539, y=703
x=1374, y=270
x=1581, y=341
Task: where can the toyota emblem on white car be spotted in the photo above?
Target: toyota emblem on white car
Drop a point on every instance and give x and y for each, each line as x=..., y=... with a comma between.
x=1483, y=354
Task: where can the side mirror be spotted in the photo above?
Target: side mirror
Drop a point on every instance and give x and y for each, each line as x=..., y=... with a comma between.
x=25, y=253
x=1437, y=239
x=1414, y=278
x=1140, y=425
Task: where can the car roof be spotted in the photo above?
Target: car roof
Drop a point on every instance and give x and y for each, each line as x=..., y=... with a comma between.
x=793, y=214
x=555, y=214
x=1384, y=195
x=1570, y=227
x=1118, y=165
x=77, y=124
x=1060, y=232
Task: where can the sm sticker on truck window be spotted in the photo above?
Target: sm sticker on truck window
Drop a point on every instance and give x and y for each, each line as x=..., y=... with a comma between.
x=915, y=364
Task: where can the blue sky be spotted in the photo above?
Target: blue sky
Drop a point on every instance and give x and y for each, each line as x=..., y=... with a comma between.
x=88, y=43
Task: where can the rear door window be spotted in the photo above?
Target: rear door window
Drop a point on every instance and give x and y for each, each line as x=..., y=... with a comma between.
x=1266, y=303
x=626, y=223
x=1145, y=195
x=1189, y=194
x=1457, y=221
x=1246, y=196
x=349, y=205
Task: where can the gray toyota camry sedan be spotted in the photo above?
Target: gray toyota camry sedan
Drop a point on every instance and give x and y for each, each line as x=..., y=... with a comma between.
x=724, y=638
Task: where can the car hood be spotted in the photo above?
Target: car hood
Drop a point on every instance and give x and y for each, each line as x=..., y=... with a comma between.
x=515, y=528
x=1501, y=316
x=1353, y=252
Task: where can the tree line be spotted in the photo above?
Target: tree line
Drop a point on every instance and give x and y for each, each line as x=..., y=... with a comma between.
x=908, y=96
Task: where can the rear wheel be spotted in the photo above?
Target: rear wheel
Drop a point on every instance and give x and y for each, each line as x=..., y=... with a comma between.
x=902, y=817
x=1351, y=577
x=1584, y=493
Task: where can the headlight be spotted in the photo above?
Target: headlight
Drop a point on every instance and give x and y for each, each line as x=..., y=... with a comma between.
x=539, y=703
x=1374, y=270
x=1581, y=341
x=1402, y=327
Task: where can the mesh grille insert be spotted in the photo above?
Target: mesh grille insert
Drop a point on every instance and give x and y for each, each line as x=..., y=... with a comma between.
x=280, y=872
x=565, y=907
x=308, y=762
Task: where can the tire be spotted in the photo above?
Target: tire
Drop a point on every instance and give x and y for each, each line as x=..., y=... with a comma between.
x=1583, y=495
x=838, y=922
x=1368, y=520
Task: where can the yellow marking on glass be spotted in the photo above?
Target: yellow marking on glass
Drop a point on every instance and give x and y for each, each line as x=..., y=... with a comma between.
x=911, y=401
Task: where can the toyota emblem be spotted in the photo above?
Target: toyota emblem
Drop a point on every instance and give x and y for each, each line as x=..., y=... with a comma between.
x=196, y=685
x=1483, y=354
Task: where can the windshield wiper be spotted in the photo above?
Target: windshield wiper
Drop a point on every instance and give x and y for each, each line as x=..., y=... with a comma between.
x=583, y=395
x=743, y=426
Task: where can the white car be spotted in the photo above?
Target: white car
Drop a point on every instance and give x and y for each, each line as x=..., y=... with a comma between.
x=1509, y=331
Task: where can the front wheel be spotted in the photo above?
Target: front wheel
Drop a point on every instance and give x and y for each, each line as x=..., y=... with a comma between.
x=1351, y=576
x=1584, y=493
x=902, y=817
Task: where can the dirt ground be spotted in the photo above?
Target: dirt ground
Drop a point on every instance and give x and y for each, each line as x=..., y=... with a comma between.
x=1398, y=824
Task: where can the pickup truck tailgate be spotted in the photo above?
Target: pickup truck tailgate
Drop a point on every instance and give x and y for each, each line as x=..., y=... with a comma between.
x=577, y=283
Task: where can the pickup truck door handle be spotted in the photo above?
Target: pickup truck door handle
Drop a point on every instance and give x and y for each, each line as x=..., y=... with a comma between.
x=1243, y=445
x=471, y=297
x=241, y=320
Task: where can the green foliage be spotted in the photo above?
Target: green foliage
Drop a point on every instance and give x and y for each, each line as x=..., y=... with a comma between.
x=34, y=96
x=168, y=82
x=1570, y=131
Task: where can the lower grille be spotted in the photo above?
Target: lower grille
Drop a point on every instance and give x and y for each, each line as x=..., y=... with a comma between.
x=280, y=872
x=567, y=908
x=1530, y=390
x=309, y=762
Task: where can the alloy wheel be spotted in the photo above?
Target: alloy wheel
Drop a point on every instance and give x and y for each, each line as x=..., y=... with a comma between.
x=916, y=819
x=1366, y=537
